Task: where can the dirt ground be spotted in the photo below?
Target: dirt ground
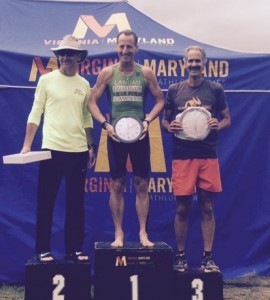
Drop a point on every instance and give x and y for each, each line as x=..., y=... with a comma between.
x=245, y=288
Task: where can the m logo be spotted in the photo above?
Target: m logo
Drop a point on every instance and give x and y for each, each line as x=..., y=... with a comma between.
x=122, y=262
x=89, y=22
x=38, y=68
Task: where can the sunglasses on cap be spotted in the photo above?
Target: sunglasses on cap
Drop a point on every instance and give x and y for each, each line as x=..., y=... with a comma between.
x=67, y=52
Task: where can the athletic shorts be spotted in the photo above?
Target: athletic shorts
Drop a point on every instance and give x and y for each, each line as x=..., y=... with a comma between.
x=188, y=174
x=138, y=152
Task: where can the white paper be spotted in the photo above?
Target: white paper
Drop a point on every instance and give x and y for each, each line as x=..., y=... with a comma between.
x=28, y=157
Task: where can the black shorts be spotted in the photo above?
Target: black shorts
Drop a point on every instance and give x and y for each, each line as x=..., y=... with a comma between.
x=139, y=153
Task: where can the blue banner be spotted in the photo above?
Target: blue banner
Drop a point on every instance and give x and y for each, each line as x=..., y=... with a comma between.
x=242, y=242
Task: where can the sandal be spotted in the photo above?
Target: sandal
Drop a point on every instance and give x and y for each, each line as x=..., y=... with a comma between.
x=45, y=257
x=78, y=256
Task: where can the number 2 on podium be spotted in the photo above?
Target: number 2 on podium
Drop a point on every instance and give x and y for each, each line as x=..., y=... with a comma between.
x=59, y=281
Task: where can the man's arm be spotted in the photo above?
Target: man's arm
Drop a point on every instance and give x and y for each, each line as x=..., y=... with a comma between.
x=225, y=121
x=171, y=126
x=99, y=88
x=166, y=119
x=96, y=93
x=92, y=146
x=89, y=135
x=31, y=130
x=156, y=91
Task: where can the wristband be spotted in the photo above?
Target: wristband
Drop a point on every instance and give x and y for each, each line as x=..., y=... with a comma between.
x=105, y=124
x=148, y=122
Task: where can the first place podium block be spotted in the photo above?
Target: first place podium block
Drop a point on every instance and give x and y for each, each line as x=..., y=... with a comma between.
x=59, y=280
x=133, y=272
x=194, y=284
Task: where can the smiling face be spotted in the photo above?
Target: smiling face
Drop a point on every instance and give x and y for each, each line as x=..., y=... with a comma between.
x=69, y=60
x=126, y=48
x=195, y=62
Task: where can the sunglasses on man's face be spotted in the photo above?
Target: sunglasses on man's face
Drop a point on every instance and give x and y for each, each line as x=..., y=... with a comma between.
x=67, y=52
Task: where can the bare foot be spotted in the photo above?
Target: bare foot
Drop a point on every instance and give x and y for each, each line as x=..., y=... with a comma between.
x=145, y=241
x=119, y=241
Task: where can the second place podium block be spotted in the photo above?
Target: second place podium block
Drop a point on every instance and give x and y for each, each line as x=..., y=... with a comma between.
x=57, y=281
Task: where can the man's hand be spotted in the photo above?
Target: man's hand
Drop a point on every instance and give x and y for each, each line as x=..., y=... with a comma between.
x=92, y=156
x=175, y=126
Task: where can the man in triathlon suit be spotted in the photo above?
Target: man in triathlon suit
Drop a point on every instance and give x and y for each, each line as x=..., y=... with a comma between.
x=195, y=166
x=127, y=83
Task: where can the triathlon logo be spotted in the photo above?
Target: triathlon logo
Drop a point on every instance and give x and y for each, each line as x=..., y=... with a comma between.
x=121, y=261
x=90, y=32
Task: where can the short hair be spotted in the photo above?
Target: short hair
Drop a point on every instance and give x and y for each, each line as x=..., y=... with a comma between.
x=195, y=48
x=128, y=32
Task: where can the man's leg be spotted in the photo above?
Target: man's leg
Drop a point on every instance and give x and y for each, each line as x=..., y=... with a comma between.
x=76, y=168
x=117, y=209
x=183, y=204
x=208, y=225
x=48, y=184
x=142, y=207
x=208, y=222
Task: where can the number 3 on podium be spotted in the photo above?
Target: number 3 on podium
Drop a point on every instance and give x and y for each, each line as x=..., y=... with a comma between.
x=197, y=284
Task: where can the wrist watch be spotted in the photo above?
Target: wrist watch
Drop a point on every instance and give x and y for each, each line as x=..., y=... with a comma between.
x=128, y=129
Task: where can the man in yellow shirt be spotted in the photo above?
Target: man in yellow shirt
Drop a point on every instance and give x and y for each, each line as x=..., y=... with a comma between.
x=61, y=97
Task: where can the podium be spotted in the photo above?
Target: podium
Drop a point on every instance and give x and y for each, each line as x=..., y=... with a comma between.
x=194, y=284
x=133, y=272
x=59, y=280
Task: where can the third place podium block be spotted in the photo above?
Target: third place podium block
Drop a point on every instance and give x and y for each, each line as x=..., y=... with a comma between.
x=133, y=272
x=196, y=285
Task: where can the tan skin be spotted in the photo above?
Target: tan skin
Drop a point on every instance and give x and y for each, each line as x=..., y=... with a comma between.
x=68, y=67
x=126, y=49
x=195, y=63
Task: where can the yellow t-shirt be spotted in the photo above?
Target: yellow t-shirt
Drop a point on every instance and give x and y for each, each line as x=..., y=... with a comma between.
x=63, y=101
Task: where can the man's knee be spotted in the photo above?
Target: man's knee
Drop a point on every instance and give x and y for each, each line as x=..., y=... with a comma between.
x=140, y=184
x=207, y=211
x=118, y=185
x=182, y=212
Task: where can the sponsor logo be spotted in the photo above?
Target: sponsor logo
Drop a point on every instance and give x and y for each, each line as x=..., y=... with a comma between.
x=121, y=261
x=87, y=25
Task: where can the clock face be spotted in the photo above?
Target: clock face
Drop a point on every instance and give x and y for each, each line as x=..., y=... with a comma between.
x=128, y=129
